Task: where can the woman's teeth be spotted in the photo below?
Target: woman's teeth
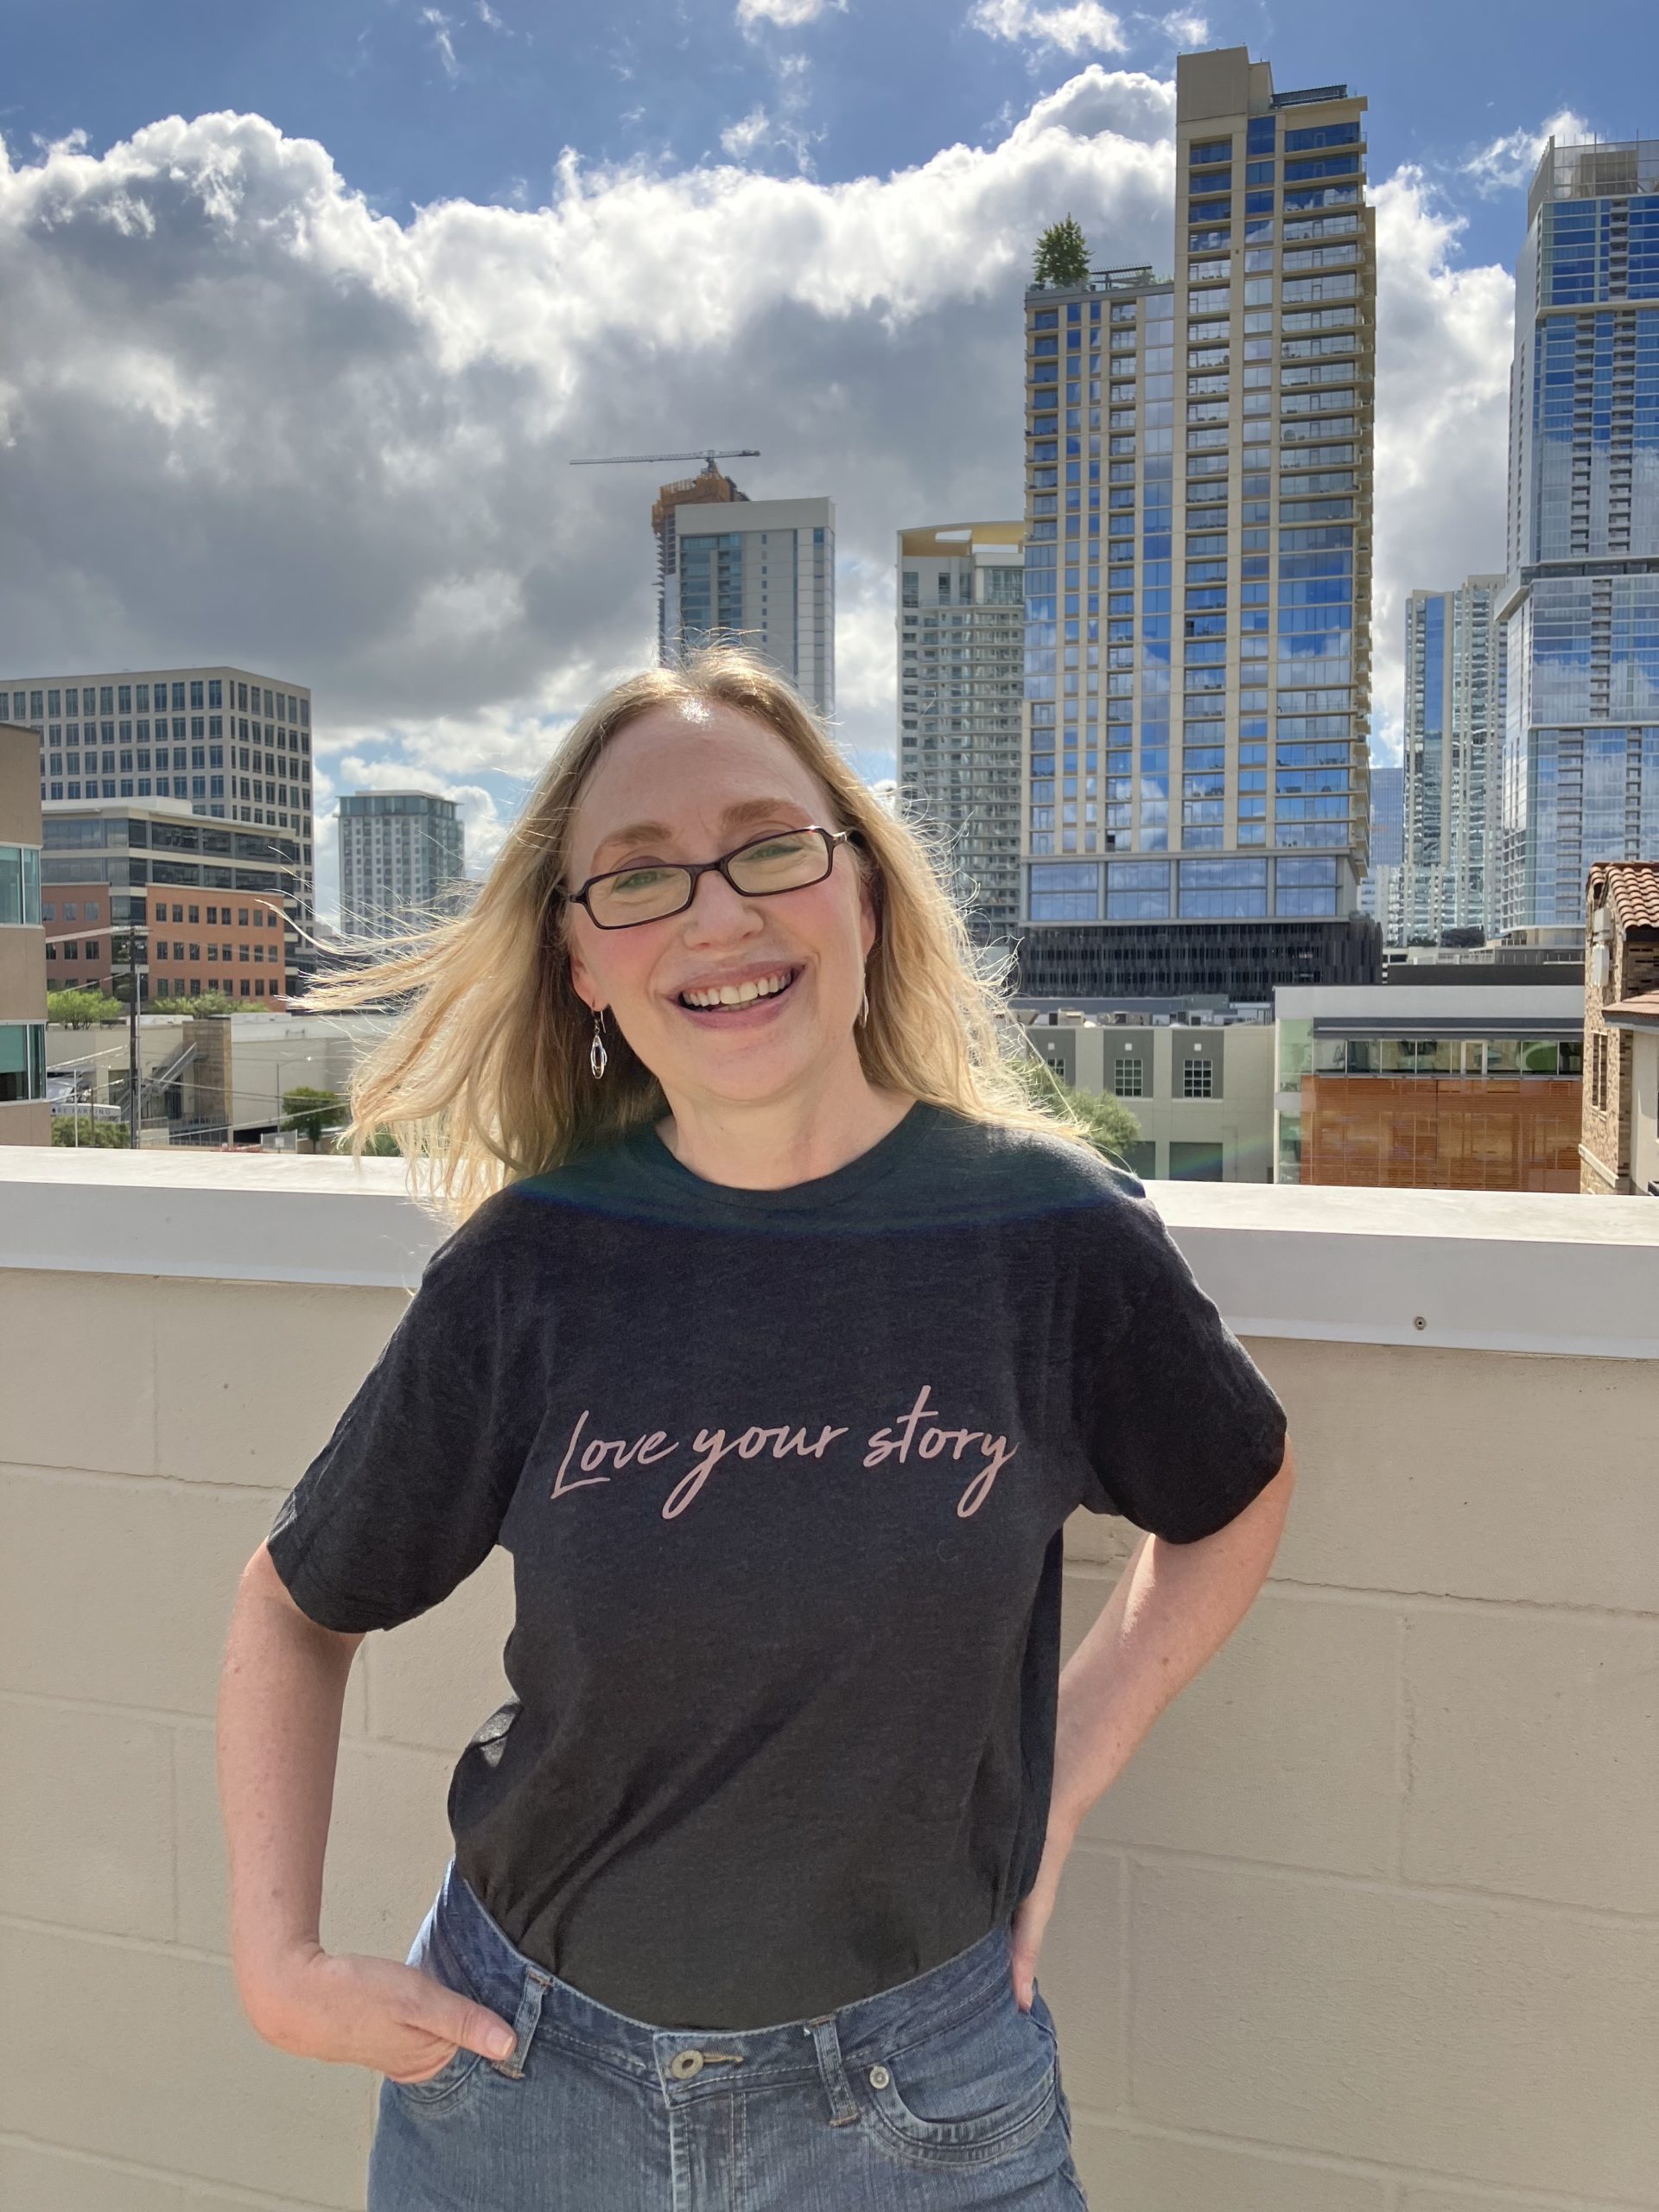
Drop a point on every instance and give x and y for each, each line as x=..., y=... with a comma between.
x=762, y=987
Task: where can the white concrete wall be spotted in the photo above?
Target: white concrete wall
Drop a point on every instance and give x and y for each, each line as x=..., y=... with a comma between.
x=1370, y=1924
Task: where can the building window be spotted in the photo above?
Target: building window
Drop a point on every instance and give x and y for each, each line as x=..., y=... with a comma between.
x=1598, y=1071
x=23, y=1062
x=1129, y=1078
x=1198, y=1078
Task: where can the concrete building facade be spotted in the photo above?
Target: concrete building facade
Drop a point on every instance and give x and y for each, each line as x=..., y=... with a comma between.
x=399, y=851
x=1452, y=760
x=1580, y=606
x=1198, y=542
x=761, y=574
x=231, y=746
x=960, y=624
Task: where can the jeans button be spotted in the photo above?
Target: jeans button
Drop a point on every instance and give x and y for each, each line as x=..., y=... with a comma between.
x=684, y=2064
x=880, y=2077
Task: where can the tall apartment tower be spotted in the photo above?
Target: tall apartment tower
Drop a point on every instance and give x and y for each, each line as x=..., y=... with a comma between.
x=762, y=575
x=1198, y=569
x=398, y=851
x=1453, y=760
x=1580, y=612
x=960, y=646
x=710, y=486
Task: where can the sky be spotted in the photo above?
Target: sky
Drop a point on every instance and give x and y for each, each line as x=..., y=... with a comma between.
x=305, y=310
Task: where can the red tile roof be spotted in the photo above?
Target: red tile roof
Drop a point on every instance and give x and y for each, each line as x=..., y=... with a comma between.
x=1633, y=889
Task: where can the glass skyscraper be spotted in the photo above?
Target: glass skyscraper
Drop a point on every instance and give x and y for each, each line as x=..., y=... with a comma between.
x=1454, y=742
x=1580, y=612
x=1197, y=657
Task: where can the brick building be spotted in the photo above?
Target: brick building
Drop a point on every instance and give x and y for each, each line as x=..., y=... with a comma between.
x=1621, y=997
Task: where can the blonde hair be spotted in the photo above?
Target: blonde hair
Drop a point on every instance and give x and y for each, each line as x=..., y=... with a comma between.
x=483, y=1077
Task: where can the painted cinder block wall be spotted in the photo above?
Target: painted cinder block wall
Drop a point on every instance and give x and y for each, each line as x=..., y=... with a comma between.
x=1370, y=1924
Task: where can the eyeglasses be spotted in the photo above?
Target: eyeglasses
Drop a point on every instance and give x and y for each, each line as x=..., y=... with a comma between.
x=787, y=860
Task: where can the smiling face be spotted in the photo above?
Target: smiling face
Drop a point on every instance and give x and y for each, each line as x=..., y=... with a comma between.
x=678, y=787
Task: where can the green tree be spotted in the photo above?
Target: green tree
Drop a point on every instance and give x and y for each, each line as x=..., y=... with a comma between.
x=113, y=1136
x=1112, y=1127
x=1062, y=255
x=82, y=1009
x=204, y=1002
x=310, y=1111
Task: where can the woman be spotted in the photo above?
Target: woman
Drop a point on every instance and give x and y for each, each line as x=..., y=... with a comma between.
x=778, y=1340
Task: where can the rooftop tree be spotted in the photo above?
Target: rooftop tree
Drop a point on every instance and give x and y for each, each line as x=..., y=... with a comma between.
x=1062, y=255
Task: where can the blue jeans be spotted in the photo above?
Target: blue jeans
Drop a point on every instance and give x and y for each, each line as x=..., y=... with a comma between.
x=939, y=2092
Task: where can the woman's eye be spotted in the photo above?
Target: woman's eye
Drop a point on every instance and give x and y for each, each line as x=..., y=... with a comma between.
x=639, y=878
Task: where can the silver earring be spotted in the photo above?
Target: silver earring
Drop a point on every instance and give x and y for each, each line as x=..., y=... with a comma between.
x=598, y=1057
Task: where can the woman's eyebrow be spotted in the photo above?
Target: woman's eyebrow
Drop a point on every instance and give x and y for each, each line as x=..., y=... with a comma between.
x=734, y=818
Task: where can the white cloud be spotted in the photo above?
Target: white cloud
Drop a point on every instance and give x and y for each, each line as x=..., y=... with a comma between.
x=245, y=416
x=1072, y=27
x=488, y=17
x=1186, y=28
x=444, y=44
x=1507, y=163
x=1445, y=334
x=740, y=139
x=787, y=15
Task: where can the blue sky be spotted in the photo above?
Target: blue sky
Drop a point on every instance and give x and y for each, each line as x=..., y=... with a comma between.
x=309, y=304
x=419, y=101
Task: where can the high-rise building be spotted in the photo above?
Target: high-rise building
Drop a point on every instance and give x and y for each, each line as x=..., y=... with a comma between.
x=1453, y=756
x=1581, y=612
x=710, y=486
x=1380, y=888
x=961, y=647
x=760, y=574
x=398, y=851
x=25, y=1116
x=233, y=746
x=1199, y=567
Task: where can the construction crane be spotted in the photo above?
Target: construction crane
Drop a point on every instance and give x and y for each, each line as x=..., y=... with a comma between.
x=703, y=454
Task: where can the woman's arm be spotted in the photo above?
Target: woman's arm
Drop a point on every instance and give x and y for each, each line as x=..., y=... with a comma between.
x=280, y=1698
x=1173, y=1607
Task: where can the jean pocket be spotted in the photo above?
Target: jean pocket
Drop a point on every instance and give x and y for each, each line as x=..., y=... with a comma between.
x=974, y=2092
x=432, y=1956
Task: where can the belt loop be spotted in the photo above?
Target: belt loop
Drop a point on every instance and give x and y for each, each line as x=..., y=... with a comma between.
x=530, y=2013
x=842, y=2106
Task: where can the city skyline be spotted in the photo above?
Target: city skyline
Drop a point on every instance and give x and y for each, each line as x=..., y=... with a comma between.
x=451, y=630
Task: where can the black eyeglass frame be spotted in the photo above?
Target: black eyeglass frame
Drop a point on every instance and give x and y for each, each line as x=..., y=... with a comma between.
x=698, y=870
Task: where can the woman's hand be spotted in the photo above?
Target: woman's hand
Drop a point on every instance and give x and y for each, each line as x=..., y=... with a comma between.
x=365, y=2011
x=1031, y=1916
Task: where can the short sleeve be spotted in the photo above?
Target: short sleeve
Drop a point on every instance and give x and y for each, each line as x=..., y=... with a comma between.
x=408, y=1495
x=1181, y=1427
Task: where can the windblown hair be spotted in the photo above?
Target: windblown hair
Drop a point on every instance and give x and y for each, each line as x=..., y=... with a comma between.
x=484, y=1077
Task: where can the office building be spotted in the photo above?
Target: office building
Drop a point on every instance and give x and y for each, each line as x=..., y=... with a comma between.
x=961, y=647
x=760, y=574
x=1380, y=887
x=25, y=1116
x=1580, y=608
x=233, y=746
x=1619, y=1150
x=199, y=905
x=710, y=486
x=1453, y=760
x=1199, y=565
x=1444, y=1085
x=1198, y=1081
x=399, y=853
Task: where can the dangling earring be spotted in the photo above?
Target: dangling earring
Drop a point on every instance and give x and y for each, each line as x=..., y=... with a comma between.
x=598, y=1057
x=864, y=1004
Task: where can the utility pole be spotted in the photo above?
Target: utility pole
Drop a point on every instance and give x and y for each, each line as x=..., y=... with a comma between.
x=135, y=1109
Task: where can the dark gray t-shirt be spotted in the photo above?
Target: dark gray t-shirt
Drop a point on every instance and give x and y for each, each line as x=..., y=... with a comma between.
x=783, y=1474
